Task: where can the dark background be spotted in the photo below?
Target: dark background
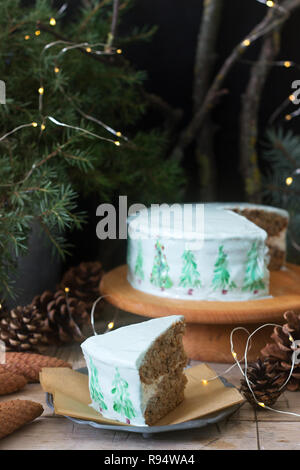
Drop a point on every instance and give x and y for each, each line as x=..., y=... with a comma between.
x=168, y=60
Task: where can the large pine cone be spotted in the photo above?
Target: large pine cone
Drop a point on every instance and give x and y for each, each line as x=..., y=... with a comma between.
x=64, y=316
x=279, y=354
x=22, y=329
x=83, y=281
x=265, y=385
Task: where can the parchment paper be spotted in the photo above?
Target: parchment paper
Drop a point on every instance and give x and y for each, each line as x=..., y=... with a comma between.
x=71, y=395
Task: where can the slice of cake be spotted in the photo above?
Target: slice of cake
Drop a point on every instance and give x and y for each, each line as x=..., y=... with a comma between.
x=136, y=372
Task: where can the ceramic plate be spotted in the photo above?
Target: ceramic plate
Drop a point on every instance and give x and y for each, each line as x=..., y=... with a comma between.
x=147, y=431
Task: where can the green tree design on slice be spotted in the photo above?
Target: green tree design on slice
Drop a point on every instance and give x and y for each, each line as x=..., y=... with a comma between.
x=95, y=389
x=160, y=271
x=254, y=271
x=190, y=277
x=122, y=403
x=221, y=279
x=138, y=270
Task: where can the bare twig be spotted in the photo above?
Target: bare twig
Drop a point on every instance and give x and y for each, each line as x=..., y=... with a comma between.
x=205, y=52
x=249, y=116
x=204, y=64
x=272, y=20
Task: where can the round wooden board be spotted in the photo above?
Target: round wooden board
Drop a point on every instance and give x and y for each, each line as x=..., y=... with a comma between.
x=209, y=323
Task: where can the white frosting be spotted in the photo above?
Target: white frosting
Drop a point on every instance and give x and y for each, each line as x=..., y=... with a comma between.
x=225, y=245
x=122, y=351
x=149, y=391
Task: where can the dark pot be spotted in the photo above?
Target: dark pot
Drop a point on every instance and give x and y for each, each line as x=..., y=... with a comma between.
x=37, y=271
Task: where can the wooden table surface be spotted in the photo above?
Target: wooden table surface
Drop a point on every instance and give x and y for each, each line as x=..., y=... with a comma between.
x=246, y=429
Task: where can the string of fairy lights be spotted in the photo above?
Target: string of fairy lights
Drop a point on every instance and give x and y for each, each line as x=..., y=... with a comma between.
x=67, y=46
x=294, y=347
x=282, y=63
x=94, y=49
x=237, y=362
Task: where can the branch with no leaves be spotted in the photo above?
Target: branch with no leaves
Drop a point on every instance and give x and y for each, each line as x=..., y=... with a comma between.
x=272, y=20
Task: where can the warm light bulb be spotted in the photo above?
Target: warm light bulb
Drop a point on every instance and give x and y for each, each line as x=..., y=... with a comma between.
x=234, y=354
x=291, y=339
x=88, y=49
x=270, y=3
x=52, y=21
x=34, y=124
x=37, y=33
x=26, y=37
x=287, y=64
x=288, y=117
x=119, y=51
x=246, y=42
x=41, y=90
x=119, y=133
x=117, y=143
x=56, y=69
x=260, y=403
x=205, y=382
x=43, y=127
x=292, y=98
x=67, y=290
x=289, y=181
x=110, y=325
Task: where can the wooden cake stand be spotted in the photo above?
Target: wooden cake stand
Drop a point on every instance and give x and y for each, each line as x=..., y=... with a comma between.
x=210, y=323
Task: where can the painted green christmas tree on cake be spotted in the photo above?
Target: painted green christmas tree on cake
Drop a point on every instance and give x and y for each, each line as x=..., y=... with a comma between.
x=122, y=403
x=138, y=270
x=190, y=277
x=221, y=279
x=95, y=389
x=254, y=271
x=160, y=271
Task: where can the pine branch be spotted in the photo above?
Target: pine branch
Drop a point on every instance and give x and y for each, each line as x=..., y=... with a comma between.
x=41, y=26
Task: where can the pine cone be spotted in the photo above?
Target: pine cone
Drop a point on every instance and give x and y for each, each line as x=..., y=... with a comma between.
x=21, y=329
x=63, y=316
x=278, y=355
x=29, y=364
x=265, y=386
x=10, y=383
x=83, y=281
x=15, y=413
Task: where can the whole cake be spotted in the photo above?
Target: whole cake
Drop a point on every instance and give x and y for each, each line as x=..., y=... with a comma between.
x=271, y=219
x=209, y=253
x=136, y=372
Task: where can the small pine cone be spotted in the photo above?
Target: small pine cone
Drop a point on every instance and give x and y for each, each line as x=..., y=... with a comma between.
x=265, y=387
x=10, y=383
x=21, y=329
x=30, y=364
x=83, y=281
x=63, y=316
x=278, y=355
x=16, y=413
